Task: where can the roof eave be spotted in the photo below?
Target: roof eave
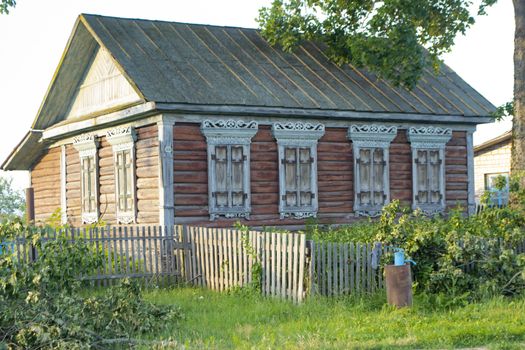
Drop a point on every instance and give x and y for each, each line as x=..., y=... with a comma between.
x=320, y=113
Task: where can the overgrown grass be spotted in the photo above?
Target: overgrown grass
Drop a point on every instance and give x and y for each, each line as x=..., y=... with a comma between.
x=224, y=321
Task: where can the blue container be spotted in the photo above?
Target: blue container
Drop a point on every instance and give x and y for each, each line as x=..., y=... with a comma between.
x=399, y=258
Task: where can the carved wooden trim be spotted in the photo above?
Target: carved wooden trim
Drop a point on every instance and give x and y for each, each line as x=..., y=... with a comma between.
x=122, y=138
x=87, y=146
x=166, y=188
x=429, y=138
x=228, y=133
x=298, y=134
x=371, y=136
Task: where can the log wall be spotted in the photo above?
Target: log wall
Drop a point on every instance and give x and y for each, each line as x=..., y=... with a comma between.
x=146, y=180
x=45, y=180
x=335, y=177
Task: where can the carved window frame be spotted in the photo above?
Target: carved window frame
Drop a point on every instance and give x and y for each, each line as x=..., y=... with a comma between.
x=371, y=137
x=428, y=138
x=122, y=139
x=229, y=133
x=87, y=147
x=297, y=135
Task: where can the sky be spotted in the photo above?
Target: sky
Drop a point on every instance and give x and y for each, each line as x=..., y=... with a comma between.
x=34, y=35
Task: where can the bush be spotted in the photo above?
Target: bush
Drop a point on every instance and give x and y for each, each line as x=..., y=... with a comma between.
x=458, y=256
x=41, y=302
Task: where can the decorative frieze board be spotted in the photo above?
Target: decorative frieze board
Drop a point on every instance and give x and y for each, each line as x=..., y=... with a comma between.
x=126, y=218
x=372, y=135
x=90, y=218
x=86, y=145
x=428, y=136
x=297, y=133
x=229, y=132
x=121, y=138
x=298, y=214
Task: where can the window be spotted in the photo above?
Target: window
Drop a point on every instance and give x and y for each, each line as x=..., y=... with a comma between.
x=87, y=145
x=229, y=167
x=370, y=144
x=428, y=167
x=297, y=143
x=122, y=140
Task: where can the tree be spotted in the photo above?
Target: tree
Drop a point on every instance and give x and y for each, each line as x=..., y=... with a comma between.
x=12, y=202
x=396, y=39
x=5, y=5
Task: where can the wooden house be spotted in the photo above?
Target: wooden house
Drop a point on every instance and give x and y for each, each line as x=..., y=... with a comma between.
x=492, y=159
x=154, y=122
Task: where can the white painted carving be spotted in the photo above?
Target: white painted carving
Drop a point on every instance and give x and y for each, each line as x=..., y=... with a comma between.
x=228, y=133
x=86, y=145
x=297, y=134
x=371, y=136
x=428, y=138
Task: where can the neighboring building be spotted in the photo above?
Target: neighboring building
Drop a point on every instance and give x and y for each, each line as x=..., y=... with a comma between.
x=155, y=122
x=492, y=159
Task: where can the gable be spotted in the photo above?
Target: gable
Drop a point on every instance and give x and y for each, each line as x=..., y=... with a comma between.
x=103, y=87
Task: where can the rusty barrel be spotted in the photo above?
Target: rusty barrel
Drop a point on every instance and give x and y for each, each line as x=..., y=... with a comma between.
x=398, y=285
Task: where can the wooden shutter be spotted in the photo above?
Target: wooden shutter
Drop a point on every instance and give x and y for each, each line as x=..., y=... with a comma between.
x=434, y=178
x=290, y=170
x=364, y=176
x=237, y=178
x=85, y=184
x=221, y=176
x=378, y=177
x=121, y=181
x=305, y=177
x=422, y=176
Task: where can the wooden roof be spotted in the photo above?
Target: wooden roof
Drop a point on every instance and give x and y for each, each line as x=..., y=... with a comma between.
x=211, y=65
x=229, y=70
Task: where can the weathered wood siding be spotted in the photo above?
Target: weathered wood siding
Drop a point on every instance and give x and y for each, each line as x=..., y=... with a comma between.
x=45, y=180
x=335, y=176
x=146, y=175
x=73, y=186
x=401, y=169
x=456, y=182
x=147, y=172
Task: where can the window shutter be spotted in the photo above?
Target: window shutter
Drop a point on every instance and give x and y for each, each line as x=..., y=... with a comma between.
x=364, y=176
x=290, y=164
x=221, y=176
x=305, y=176
x=435, y=165
x=377, y=178
x=92, y=185
x=237, y=164
x=422, y=177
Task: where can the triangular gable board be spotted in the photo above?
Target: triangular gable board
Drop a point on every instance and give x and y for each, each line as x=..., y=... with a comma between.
x=103, y=87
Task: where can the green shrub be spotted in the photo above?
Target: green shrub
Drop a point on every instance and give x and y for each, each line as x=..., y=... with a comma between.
x=41, y=304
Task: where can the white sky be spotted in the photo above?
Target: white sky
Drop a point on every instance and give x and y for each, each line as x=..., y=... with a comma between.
x=35, y=33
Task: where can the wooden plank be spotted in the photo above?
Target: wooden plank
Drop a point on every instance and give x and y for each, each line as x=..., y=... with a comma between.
x=277, y=246
x=341, y=267
x=329, y=270
x=311, y=270
x=345, y=268
x=273, y=268
x=283, y=277
x=295, y=267
x=358, y=267
x=235, y=257
x=302, y=261
x=335, y=269
x=289, y=267
x=267, y=270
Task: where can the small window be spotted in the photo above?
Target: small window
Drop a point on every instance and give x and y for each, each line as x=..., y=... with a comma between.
x=370, y=145
x=297, y=143
x=428, y=167
x=122, y=140
x=86, y=145
x=229, y=167
x=298, y=165
x=429, y=187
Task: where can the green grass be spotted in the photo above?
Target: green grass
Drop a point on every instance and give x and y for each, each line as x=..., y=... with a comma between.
x=224, y=321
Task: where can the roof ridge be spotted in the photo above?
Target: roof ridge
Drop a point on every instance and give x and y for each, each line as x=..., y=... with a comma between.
x=165, y=21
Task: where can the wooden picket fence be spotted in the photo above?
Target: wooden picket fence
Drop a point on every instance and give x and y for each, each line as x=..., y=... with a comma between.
x=286, y=265
x=345, y=268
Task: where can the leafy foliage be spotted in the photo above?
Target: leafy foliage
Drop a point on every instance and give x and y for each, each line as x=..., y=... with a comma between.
x=12, y=202
x=505, y=110
x=395, y=39
x=5, y=6
x=41, y=304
